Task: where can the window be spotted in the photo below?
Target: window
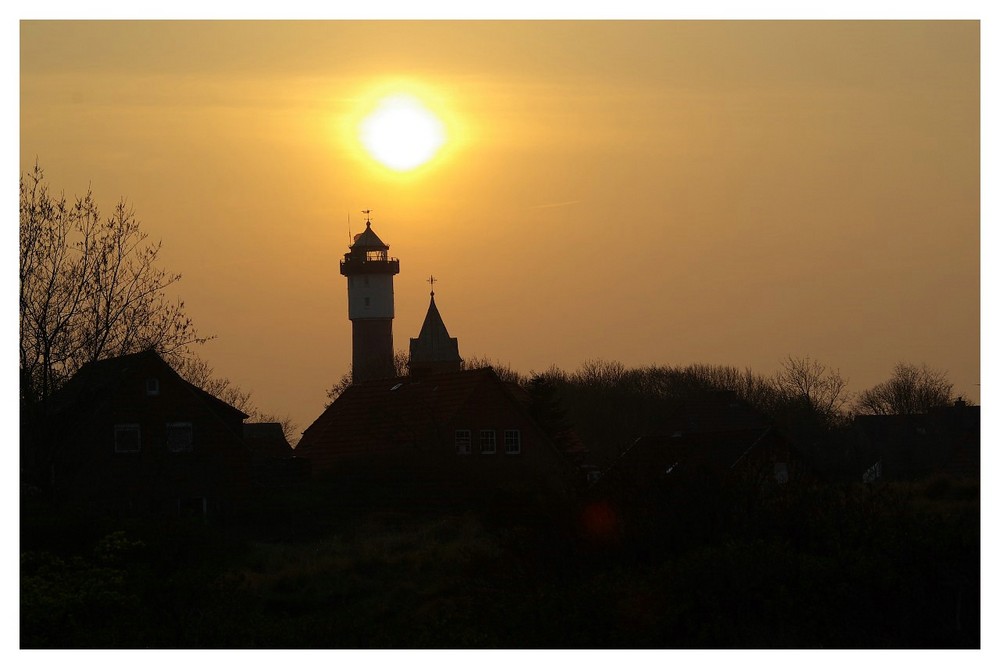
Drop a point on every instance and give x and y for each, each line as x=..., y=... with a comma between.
x=127, y=438
x=463, y=442
x=180, y=437
x=512, y=442
x=152, y=386
x=487, y=442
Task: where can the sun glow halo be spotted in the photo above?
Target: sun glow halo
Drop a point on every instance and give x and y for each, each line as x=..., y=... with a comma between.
x=402, y=133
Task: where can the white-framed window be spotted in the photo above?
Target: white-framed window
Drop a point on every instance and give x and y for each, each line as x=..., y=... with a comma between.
x=152, y=386
x=512, y=442
x=463, y=442
x=127, y=438
x=487, y=442
x=180, y=437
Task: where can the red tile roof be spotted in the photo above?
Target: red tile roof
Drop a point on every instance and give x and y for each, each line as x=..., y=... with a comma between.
x=386, y=414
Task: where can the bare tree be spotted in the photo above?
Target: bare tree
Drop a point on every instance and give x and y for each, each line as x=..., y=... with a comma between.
x=601, y=372
x=197, y=372
x=910, y=390
x=808, y=381
x=760, y=392
x=89, y=289
x=502, y=369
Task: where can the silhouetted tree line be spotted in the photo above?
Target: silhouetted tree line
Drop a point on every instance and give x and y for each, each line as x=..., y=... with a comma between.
x=611, y=405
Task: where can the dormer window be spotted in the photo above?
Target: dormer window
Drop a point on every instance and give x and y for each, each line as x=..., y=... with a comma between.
x=152, y=386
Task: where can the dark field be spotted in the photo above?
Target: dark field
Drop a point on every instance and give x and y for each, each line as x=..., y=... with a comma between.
x=820, y=566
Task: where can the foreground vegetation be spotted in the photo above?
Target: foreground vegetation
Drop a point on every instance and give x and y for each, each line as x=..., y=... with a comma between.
x=812, y=567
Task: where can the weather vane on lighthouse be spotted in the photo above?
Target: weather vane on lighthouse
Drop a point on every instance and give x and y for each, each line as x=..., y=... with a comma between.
x=368, y=216
x=431, y=281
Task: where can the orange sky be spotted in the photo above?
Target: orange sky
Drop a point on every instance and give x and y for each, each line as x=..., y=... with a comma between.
x=648, y=192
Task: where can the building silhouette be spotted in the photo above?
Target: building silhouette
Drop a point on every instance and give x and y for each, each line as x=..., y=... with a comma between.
x=129, y=435
x=434, y=350
x=369, y=271
x=441, y=433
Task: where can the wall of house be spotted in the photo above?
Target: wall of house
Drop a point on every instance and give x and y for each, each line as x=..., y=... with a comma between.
x=490, y=408
x=213, y=475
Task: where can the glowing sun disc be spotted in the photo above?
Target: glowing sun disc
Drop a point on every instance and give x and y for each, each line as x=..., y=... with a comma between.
x=401, y=133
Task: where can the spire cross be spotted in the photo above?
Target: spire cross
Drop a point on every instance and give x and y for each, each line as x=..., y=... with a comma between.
x=368, y=216
x=431, y=281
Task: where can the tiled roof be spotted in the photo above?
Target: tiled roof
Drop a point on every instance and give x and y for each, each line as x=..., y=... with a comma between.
x=94, y=378
x=386, y=414
x=713, y=427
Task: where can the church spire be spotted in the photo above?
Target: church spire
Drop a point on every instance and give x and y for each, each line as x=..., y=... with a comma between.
x=434, y=350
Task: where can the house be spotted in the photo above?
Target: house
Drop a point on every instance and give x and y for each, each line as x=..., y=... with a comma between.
x=273, y=460
x=128, y=434
x=710, y=436
x=435, y=437
x=912, y=446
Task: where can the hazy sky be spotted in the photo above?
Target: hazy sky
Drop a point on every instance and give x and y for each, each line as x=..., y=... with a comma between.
x=648, y=192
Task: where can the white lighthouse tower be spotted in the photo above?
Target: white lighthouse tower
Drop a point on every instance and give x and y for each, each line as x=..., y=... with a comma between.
x=369, y=271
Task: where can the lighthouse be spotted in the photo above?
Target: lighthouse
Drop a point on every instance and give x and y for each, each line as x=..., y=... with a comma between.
x=369, y=271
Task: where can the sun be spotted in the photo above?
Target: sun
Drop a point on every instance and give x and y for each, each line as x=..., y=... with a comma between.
x=402, y=133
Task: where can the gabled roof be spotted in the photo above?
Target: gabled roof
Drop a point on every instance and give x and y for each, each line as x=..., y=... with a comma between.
x=95, y=380
x=368, y=240
x=434, y=344
x=714, y=427
x=267, y=440
x=388, y=414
